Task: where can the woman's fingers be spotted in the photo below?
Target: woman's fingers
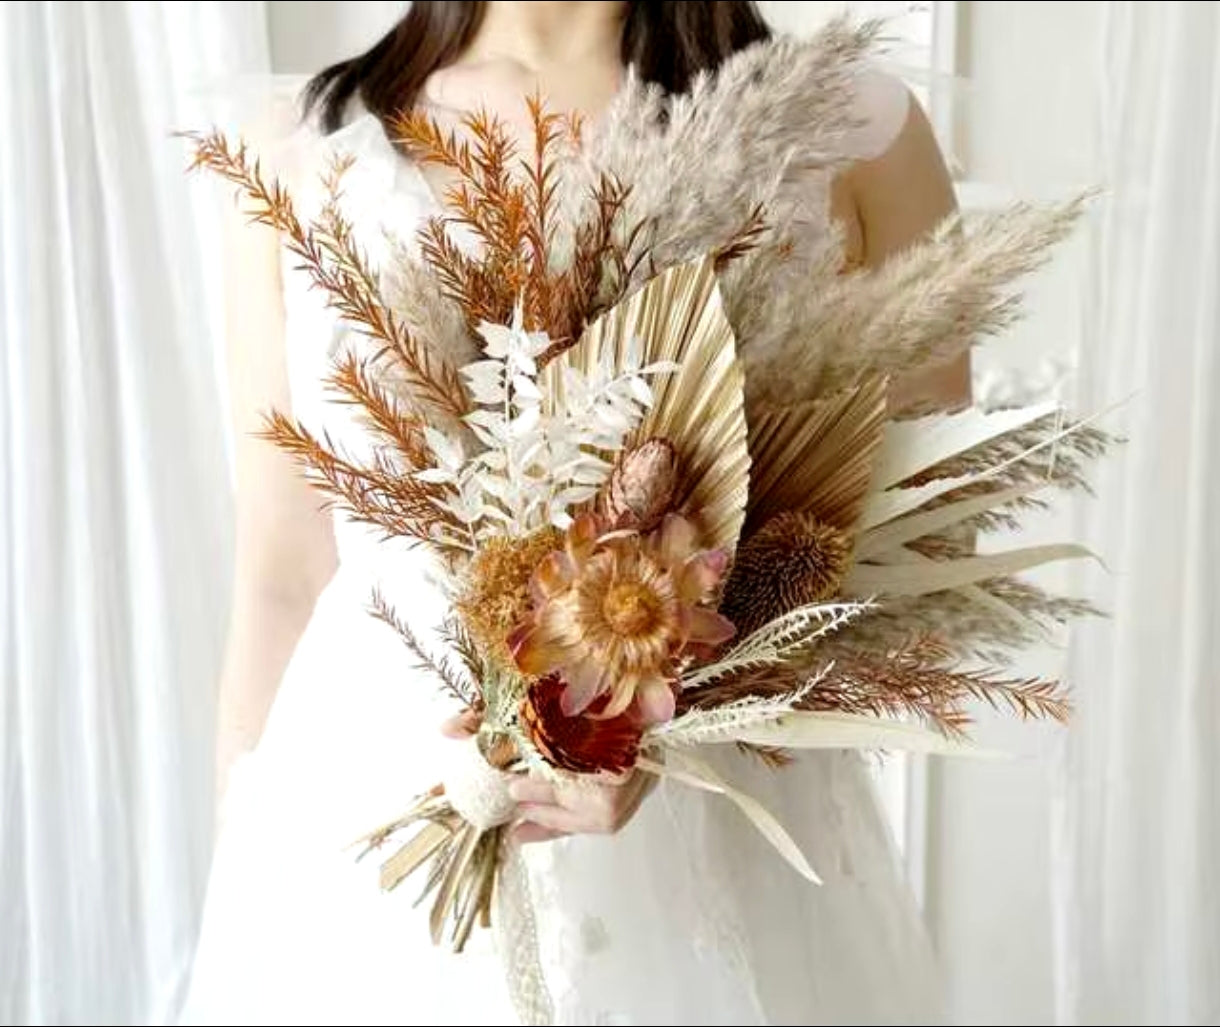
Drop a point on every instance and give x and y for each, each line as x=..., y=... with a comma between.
x=534, y=790
x=577, y=807
x=462, y=726
x=554, y=818
x=528, y=833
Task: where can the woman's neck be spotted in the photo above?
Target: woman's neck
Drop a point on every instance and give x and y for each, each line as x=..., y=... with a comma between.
x=542, y=35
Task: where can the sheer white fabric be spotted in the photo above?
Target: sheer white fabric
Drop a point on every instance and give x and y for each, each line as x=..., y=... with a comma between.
x=114, y=519
x=1140, y=889
x=685, y=917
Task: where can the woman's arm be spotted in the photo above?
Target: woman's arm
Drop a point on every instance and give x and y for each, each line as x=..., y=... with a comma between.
x=285, y=549
x=891, y=202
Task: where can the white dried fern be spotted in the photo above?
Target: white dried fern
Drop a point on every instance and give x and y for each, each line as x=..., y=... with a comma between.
x=778, y=641
x=726, y=723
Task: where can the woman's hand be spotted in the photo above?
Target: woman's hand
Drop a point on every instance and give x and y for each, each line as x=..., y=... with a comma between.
x=546, y=811
x=592, y=806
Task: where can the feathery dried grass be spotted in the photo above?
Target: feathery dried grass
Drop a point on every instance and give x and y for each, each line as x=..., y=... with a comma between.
x=922, y=307
x=725, y=150
x=968, y=622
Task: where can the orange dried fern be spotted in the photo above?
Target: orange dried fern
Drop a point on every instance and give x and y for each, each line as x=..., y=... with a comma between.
x=510, y=204
x=329, y=255
x=354, y=382
x=916, y=680
x=381, y=495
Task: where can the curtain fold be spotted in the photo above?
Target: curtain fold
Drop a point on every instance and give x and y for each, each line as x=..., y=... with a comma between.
x=114, y=501
x=1139, y=887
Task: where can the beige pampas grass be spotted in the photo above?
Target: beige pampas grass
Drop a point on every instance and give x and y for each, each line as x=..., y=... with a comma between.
x=714, y=157
x=923, y=307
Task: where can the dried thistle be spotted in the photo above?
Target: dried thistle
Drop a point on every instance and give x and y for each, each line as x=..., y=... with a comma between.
x=793, y=560
x=495, y=594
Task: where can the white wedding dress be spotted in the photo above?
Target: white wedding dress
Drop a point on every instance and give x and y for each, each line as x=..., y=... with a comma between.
x=686, y=917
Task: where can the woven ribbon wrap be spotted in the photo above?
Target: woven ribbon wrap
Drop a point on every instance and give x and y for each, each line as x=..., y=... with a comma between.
x=479, y=792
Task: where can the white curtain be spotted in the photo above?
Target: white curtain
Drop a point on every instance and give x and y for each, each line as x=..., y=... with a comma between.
x=114, y=511
x=1140, y=886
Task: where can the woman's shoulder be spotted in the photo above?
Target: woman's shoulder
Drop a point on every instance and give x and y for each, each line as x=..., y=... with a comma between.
x=882, y=104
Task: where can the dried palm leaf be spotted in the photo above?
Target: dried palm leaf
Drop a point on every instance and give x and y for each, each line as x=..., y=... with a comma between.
x=699, y=408
x=817, y=457
x=920, y=577
x=912, y=447
x=889, y=537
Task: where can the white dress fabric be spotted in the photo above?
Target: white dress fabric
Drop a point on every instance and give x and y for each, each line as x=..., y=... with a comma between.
x=685, y=917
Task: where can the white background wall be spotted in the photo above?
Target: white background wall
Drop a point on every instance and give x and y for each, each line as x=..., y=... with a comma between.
x=1026, y=111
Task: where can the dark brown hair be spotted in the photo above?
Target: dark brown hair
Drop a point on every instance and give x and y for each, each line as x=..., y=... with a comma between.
x=666, y=43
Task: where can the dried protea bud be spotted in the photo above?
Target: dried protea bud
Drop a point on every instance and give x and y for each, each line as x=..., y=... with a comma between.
x=793, y=560
x=641, y=488
x=495, y=595
x=585, y=743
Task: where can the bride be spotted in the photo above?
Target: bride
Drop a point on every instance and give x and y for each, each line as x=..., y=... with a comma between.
x=684, y=915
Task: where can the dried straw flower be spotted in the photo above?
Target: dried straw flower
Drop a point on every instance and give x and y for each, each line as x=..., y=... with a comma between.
x=793, y=560
x=495, y=597
x=612, y=613
x=582, y=744
x=642, y=486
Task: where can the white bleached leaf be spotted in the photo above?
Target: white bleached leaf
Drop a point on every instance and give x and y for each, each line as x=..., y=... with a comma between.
x=435, y=476
x=491, y=421
x=575, y=495
x=497, y=339
x=522, y=363
x=640, y=391
x=525, y=389
x=493, y=459
x=490, y=371
x=448, y=452
x=525, y=422
x=485, y=437
x=612, y=418
x=494, y=485
x=589, y=474
x=496, y=514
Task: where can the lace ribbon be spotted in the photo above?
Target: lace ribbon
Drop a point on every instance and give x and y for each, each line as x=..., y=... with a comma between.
x=479, y=792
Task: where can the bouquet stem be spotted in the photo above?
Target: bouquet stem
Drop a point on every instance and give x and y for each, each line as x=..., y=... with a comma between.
x=461, y=861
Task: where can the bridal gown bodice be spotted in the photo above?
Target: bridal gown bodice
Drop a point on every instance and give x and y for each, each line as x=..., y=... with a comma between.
x=686, y=916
